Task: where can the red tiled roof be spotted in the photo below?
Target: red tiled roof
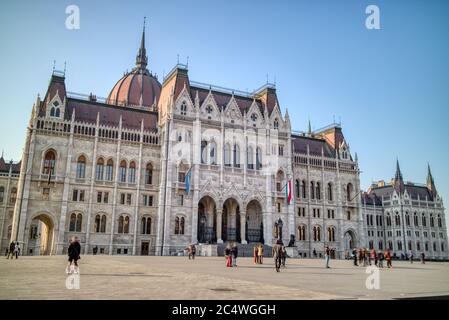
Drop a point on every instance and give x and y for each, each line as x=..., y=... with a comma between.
x=4, y=166
x=110, y=115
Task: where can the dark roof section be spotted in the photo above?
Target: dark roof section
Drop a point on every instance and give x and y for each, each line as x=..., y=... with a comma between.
x=300, y=143
x=413, y=191
x=86, y=111
x=371, y=199
x=5, y=166
x=222, y=99
x=56, y=85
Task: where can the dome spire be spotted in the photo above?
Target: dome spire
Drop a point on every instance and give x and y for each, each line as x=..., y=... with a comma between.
x=142, y=59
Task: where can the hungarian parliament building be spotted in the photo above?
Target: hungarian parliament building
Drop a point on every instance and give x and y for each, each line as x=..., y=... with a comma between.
x=157, y=166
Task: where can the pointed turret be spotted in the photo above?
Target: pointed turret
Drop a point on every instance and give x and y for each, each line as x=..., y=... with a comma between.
x=398, y=180
x=142, y=59
x=309, y=130
x=430, y=182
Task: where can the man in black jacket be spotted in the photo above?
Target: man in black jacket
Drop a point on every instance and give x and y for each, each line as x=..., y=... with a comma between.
x=73, y=251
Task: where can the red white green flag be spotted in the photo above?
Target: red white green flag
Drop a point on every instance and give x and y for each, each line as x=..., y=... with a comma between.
x=288, y=191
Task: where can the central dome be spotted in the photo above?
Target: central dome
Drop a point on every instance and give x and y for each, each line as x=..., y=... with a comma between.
x=138, y=87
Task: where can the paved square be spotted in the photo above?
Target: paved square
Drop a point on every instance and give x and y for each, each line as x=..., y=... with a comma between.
x=120, y=277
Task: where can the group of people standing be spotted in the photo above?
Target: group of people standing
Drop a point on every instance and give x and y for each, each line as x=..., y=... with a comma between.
x=258, y=254
x=13, y=250
x=364, y=257
x=191, y=250
x=231, y=253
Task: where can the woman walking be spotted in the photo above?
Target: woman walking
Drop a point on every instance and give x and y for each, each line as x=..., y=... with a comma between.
x=228, y=256
x=388, y=258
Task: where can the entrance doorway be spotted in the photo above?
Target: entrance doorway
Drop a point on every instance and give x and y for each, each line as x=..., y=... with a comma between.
x=145, y=248
x=41, y=235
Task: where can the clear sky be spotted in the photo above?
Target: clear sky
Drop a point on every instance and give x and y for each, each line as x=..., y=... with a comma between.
x=389, y=87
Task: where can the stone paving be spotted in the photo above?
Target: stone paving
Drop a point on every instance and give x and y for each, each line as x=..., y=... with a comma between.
x=128, y=277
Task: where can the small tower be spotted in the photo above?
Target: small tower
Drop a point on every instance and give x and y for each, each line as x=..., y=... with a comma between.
x=398, y=180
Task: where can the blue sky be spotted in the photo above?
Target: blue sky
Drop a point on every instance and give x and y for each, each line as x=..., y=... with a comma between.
x=389, y=87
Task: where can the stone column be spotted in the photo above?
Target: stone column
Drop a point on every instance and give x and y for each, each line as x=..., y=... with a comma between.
x=219, y=221
x=243, y=227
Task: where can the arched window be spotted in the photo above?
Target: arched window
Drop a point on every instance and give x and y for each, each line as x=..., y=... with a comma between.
x=440, y=223
x=415, y=219
x=297, y=188
x=79, y=222
x=52, y=112
x=407, y=219
x=329, y=192
x=99, y=169
x=276, y=124
x=213, y=153
x=146, y=225
x=103, y=224
x=397, y=219
x=318, y=191
x=303, y=189
x=388, y=220
x=122, y=171
x=183, y=108
x=236, y=156
x=432, y=221
x=349, y=192
x=418, y=246
x=97, y=223
x=120, y=224
x=227, y=155
x=57, y=113
x=13, y=195
x=348, y=215
x=81, y=167
x=177, y=225
x=2, y=193
x=49, y=162
x=126, y=225
x=424, y=220
x=72, y=224
x=181, y=225
x=331, y=234
x=204, y=151
x=312, y=190
x=249, y=158
x=109, y=170
x=316, y=233
x=302, y=233
x=132, y=172
x=149, y=174
x=258, y=158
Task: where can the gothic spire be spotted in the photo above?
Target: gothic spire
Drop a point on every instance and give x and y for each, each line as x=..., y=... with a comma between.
x=398, y=180
x=142, y=59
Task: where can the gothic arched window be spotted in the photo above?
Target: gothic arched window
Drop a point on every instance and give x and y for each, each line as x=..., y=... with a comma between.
x=132, y=172
x=99, y=169
x=149, y=174
x=109, y=170
x=81, y=167
x=227, y=155
x=49, y=162
x=122, y=171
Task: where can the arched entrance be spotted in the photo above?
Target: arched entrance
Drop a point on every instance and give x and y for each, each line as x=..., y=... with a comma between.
x=41, y=235
x=230, y=223
x=350, y=240
x=254, y=222
x=207, y=220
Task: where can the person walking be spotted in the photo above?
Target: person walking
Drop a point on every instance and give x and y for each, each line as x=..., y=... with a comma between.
x=277, y=255
x=388, y=258
x=423, y=261
x=380, y=259
x=360, y=256
x=373, y=257
x=411, y=257
x=73, y=251
x=354, y=257
x=95, y=250
x=327, y=256
x=12, y=246
x=260, y=254
x=193, y=251
x=314, y=253
x=17, y=250
x=235, y=252
x=283, y=256
x=227, y=254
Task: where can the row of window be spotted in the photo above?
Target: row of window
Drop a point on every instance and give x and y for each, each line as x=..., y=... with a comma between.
x=316, y=213
x=397, y=220
x=103, y=197
x=12, y=195
x=232, y=157
x=104, y=169
x=410, y=245
x=76, y=222
x=316, y=233
x=315, y=190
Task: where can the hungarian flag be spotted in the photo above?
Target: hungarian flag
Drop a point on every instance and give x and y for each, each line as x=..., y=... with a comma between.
x=288, y=191
x=188, y=180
